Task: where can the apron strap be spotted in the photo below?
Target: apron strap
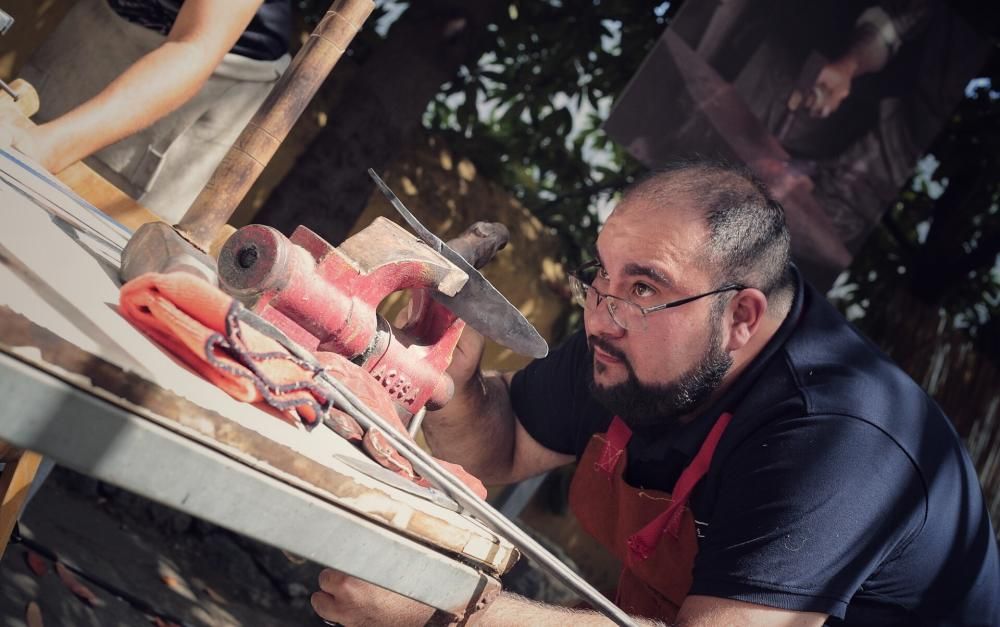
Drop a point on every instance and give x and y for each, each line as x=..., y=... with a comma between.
x=643, y=542
x=617, y=438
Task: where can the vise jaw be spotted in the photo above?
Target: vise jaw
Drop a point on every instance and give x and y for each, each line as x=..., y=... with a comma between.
x=325, y=299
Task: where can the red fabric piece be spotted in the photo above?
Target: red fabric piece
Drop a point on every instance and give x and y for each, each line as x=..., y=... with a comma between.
x=189, y=317
x=617, y=436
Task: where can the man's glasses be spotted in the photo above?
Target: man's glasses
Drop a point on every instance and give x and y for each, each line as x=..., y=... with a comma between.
x=625, y=313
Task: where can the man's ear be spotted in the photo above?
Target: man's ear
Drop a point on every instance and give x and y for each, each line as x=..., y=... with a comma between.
x=745, y=312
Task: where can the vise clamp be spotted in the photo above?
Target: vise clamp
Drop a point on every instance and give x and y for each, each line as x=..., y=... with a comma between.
x=325, y=298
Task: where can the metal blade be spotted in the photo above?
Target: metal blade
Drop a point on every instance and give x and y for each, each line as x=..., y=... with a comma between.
x=478, y=303
x=388, y=477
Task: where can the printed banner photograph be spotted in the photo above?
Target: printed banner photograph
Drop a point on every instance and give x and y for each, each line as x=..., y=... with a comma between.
x=831, y=103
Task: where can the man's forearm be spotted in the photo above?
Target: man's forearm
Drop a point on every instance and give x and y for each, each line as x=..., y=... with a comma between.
x=476, y=429
x=154, y=86
x=510, y=609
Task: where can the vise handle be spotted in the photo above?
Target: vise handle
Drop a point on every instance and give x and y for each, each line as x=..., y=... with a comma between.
x=480, y=242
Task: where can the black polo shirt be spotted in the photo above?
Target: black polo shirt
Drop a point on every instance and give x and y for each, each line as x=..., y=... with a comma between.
x=839, y=487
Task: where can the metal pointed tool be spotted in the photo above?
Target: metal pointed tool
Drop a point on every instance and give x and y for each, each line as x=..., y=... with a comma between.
x=478, y=303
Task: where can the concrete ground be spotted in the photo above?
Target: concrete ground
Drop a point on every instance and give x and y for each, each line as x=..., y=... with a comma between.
x=176, y=569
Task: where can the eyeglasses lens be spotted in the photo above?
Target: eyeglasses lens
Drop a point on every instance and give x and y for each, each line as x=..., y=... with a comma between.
x=624, y=313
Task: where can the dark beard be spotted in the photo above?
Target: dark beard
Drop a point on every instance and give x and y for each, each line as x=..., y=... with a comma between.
x=641, y=405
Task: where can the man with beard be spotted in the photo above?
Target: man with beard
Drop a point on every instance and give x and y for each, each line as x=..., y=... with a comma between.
x=750, y=458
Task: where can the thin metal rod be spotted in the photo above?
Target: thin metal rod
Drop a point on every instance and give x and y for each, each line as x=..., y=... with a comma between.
x=10, y=92
x=418, y=418
x=428, y=468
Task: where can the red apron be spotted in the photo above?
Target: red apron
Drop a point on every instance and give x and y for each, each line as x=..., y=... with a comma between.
x=651, y=532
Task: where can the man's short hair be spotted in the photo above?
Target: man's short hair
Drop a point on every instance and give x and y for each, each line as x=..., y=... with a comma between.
x=748, y=238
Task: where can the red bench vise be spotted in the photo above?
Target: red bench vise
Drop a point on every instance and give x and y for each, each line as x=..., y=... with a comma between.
x=325, y=297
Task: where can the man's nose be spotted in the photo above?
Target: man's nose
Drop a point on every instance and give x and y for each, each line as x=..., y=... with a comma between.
x=599, y=321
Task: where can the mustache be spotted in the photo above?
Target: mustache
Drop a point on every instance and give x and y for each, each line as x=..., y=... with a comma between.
x=606, y=346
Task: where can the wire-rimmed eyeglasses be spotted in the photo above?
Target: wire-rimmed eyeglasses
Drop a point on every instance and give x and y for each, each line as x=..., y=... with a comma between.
x=625, y=313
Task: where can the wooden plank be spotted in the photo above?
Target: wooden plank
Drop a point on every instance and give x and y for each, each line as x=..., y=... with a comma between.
x=104, y=441
x=15, y=482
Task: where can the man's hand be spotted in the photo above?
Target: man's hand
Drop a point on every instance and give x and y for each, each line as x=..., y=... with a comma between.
x=832, y=86
x=33, y=141
x=349, y=601
x=464, y=367
x=15, y=132
x=468, y=353
x=872, y=44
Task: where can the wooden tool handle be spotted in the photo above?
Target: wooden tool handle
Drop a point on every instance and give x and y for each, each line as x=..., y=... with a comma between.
x=480, y=242
x=27, y=98
x=260, y=139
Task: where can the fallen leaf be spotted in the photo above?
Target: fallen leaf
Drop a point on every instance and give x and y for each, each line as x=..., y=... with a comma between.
x=175, y=582
x=81, y=591
x=293, y=558
x=160, y=622
x=38, y=564
x=33, y=615
x=215, y=596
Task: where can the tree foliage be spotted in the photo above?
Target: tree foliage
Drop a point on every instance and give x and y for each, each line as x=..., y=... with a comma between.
x=529, y=114
x=373, y=109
